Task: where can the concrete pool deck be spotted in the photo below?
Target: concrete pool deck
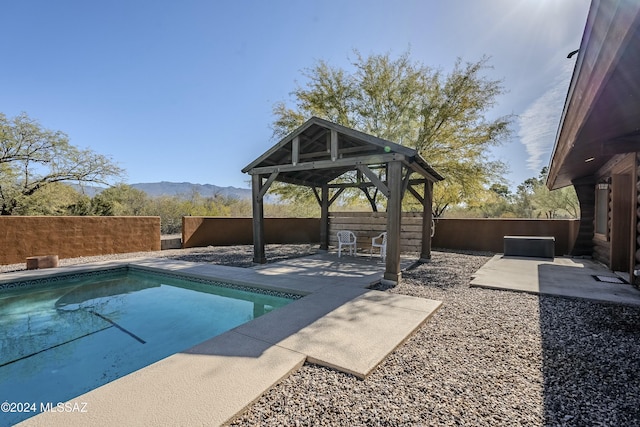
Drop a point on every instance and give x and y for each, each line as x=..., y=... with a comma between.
x=339, y=324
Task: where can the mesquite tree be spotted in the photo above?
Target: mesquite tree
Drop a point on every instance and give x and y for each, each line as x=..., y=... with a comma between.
x=440, y=115
x=32, y=159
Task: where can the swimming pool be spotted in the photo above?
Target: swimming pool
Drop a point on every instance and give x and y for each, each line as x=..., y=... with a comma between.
x=64, y=336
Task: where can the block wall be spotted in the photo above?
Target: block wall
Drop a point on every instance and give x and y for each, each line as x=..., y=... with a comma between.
x=75, y=236
x=200, y=231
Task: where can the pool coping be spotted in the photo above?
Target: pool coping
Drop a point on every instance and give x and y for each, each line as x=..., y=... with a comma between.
x=339, y=324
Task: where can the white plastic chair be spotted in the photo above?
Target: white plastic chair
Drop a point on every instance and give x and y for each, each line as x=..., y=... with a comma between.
x=348, y=239
x=380, y=241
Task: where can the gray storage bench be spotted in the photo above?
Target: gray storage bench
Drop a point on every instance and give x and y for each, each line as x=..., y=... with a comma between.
x=530, y=246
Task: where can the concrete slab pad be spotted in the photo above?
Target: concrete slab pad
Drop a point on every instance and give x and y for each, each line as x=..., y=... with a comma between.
x=567, y=277
x=350, y=333
x=358, y=335
x=207, y=385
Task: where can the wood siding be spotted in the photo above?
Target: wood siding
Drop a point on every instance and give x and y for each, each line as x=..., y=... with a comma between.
x=616, y=248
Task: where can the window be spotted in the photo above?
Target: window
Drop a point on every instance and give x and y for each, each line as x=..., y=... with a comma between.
x=602, y=208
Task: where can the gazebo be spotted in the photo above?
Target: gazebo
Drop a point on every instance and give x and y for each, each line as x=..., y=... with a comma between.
x=319, y=152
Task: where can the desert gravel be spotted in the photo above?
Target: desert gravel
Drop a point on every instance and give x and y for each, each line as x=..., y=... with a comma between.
x=486, y=358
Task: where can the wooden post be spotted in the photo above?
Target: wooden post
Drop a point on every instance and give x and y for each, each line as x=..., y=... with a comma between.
x=427, y=202
x=394, y=217
x=324, y=218
x=258, y=220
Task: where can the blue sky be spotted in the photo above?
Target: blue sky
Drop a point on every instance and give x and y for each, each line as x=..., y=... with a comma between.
x=184, y=90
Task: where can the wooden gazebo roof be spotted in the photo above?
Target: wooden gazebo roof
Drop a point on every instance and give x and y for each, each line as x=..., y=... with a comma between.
x=320, y=151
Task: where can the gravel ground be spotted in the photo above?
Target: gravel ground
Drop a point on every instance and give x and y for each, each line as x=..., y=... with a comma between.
x=486, y=358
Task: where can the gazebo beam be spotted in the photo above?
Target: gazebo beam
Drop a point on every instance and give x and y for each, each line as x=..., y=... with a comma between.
x=328, y=164
x=370, y=184
x=335, y=196
x=318, y=198
x=265, y=187
x=420, y=170
x=406, y=181
x=374, y=179
x=417, y=195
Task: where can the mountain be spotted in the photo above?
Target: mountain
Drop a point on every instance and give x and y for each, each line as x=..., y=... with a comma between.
x=185, y=189
x=165, y=188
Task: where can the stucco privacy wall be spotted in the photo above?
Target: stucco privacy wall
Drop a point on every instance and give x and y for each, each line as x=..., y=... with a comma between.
x=75, y=236
x=482, y=234
x=487, y=234
x=218, y=231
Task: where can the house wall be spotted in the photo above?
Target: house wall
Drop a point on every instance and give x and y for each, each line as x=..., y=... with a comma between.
x=617, y=247
x=464, y=234
x=75, y=236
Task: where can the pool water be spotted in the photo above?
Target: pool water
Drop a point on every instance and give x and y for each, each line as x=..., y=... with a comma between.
x=62, y=340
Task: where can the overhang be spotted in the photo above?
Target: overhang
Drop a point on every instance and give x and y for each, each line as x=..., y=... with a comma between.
x=601, y=116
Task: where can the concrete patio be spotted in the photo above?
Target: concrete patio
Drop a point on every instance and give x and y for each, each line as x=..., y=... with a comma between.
x=339, y=324
x=560, y=276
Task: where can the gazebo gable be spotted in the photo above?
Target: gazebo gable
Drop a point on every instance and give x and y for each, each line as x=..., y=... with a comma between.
x=319, y=151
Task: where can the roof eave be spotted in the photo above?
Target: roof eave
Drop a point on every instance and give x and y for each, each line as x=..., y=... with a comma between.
x=609, y=30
